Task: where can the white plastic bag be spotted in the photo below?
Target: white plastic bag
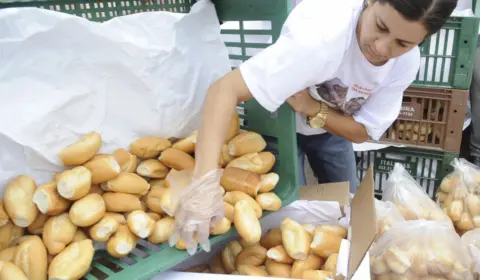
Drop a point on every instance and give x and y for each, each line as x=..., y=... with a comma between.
x=459, y=195
x=472, y=240
x=410, y=199
x=416, y=249
x=387, y=216
x=63, y=76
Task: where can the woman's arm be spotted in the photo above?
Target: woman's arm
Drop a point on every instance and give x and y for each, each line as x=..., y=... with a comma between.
x=222, y=99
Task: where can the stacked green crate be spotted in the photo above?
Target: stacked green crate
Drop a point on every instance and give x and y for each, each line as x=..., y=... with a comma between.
x=279, y=128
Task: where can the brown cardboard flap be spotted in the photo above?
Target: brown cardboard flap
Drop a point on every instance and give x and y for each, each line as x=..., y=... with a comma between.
x=339, y=192
x=362, y=222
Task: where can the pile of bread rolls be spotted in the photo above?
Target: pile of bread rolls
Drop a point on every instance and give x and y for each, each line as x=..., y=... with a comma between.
x=409, y=198
x=120, y=197
x=411, y=131
x=459, y=196
x=387, y=216
x=420, y=249
x=293, y=251
x=471, y=239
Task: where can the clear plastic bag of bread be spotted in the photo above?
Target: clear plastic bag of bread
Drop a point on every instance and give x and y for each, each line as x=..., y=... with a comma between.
x=197, y=205
x=459, y=195
x=472, y=240
x=409, y=198
x=420, y=249
x=387, y=216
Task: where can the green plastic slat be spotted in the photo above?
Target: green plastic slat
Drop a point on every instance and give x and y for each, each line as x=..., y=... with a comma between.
x=278, y=128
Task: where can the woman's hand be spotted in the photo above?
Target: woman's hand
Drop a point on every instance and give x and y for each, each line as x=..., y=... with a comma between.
x=303, y=103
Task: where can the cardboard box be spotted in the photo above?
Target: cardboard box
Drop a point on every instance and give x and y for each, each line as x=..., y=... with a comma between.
x=353, y=261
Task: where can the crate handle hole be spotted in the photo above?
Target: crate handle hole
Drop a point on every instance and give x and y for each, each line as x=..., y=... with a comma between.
x=465, y=41
x=462, y=66
x=455, y=111
x=452, y=132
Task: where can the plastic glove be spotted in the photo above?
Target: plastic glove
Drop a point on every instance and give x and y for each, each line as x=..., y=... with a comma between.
x=197, y=206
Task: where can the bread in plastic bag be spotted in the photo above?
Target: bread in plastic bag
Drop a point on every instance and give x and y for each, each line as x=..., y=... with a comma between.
x=420, y=249
x=387, y=216
x=472, y=240
x=410, y=199
x=459, y=195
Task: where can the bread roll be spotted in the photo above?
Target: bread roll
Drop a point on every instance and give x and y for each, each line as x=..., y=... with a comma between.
x=58, y=232
x=122, y=242
x=397, y=260
x=129, y=183
x=140, y=224
x=127, y=161
x=3, y=214
x=49, y=201
x=103, y=168
x=331, y=263
x=157, y=183
x=18, y=201
x=275, y=269
x=81, y=151
x=229, y=255
x=324, y=244
x=317, y=275
x=296, y=239
x=272, y=238
x=221, y=227
x=75, y=183
x=31, y=258
x=166, y=201
x=162, y=231
x=79, y=235
x=104, y=229
x=465, y=223
x=255, y=255
x=233, y=128
x=6, y=255
x=177, y=159
x=312, y=262
x=246, y=244
x=250, y=270
x=279, y=254
x=378, y=265
x=37, y=226
x=153, y=199
x=235, y=179
x=186, y=145
x=268, y=182
x=154, y=216
x=473, y=204
x=9, y=235
x=246, y=143
x=73, y=262
x=246, y=222
x=149, y=147
x=235, y=196
x=152, y=168
x=88, y=210
x=9, y=271
x=229, y=211
x=455, y=210
x=225, y=157
x=216, y=266
x=269, y=201
x=333, y=229
x=121, y=202
x=121, y=219
x=260, y=163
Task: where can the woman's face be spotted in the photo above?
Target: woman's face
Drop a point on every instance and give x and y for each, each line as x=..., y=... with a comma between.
x=383, y=33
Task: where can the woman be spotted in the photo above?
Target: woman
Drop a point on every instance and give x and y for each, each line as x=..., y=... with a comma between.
x=341, y=65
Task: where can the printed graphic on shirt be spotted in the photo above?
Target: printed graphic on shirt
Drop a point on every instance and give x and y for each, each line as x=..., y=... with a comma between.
x=340, y=96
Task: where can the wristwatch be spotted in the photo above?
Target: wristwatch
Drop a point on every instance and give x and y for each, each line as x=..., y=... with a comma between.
x=318, y=121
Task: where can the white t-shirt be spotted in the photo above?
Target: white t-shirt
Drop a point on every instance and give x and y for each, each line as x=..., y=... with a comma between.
x=318, y=49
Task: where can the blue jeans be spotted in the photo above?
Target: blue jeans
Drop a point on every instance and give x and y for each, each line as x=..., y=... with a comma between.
x=331, y=158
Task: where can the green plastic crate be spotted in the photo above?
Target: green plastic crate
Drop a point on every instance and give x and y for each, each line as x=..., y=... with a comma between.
x=427, y=167
x=278, y=128
x=448, y=56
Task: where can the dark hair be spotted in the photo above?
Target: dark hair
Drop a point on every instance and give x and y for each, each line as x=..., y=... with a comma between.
x=433, y=13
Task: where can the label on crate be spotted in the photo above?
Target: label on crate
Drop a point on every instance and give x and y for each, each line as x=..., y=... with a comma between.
x=386, y=165
x=410, y=111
